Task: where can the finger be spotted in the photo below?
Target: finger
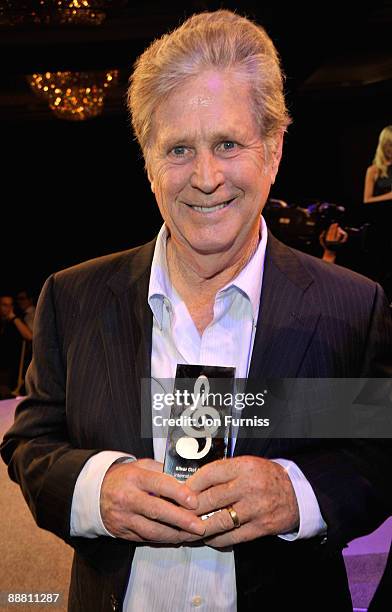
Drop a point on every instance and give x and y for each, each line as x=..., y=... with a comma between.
x=219, y=522
x=157, y=509
x=152, y=531
x=185, y=536
x=218, y=496
x=126, y=534
x=342, y=235
x=164, y=485
x=216, y=472
x=245, y=533
x=332, y=232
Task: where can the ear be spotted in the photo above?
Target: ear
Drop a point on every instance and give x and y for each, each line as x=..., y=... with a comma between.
x=276, y=156
x=149, y=176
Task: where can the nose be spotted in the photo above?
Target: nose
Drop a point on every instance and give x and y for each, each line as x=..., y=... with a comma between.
x=207, y=174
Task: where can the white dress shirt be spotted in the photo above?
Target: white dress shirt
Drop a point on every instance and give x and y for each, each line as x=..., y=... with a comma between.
x=170, y=578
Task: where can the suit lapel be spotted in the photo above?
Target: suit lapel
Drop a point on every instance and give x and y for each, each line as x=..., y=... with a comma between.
x=286, y=320
x=286, y=324
x=126, y=326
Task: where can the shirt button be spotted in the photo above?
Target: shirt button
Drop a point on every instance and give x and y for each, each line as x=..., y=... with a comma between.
x=196, y=601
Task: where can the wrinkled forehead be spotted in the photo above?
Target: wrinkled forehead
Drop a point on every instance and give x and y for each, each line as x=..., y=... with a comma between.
x=218, y=102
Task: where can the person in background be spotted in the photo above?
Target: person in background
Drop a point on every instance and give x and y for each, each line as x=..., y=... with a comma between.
x=13, y=331
x=8, y=316
x=378, y=180
x=26, y=306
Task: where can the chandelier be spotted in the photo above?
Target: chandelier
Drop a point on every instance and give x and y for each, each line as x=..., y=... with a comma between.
x=58, y=12
x=79, y=11
x=74, y=95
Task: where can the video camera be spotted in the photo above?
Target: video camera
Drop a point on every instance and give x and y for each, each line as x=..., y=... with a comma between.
x=327, y=213
x=301, y=226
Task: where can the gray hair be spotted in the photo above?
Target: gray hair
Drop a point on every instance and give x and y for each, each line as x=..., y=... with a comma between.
x=219, y=40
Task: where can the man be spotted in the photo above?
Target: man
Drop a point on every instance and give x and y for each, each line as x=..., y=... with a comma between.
x=208, y=109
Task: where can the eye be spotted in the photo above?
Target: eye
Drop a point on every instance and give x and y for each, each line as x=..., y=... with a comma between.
x=227, y=146
x=178, y=151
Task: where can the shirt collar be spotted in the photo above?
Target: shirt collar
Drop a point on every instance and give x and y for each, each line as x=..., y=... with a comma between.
x=248, y=281
x=159, y=287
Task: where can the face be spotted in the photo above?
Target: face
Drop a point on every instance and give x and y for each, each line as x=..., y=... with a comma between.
x=207, y=165
x=23, y=300
x=387, y=149
x=6, y=305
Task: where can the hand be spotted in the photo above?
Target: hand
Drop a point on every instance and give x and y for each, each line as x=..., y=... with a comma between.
x=260, y=492
x=10, y=315
x=332, y=237
x=334, y=234
x=133, y=508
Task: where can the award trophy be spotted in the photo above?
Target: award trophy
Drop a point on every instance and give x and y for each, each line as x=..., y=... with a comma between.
x=200, y=430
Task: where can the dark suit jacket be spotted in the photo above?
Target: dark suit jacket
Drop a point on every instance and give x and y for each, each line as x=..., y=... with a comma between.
x=93, y=344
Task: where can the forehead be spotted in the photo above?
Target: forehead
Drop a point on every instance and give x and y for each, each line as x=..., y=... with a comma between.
x=6, y=301
x=217, y=104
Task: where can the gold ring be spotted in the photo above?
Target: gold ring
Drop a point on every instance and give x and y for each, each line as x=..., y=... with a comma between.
x=234, y=516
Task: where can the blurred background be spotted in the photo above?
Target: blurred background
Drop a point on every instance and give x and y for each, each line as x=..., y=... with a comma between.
x=72, y=177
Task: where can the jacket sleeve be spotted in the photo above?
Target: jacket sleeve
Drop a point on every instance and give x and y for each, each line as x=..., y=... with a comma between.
x=37, y=447
x=352, y=478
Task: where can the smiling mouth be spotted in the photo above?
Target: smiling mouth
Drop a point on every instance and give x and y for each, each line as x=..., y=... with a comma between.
x=211, y=209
